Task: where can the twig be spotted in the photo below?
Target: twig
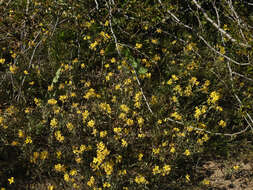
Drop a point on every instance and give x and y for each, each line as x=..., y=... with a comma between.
x=228, y=58
x=217, y=27
x=203, y=130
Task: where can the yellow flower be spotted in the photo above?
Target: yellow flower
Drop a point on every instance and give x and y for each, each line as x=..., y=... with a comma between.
x=113, y=60
x=222, y=123
x=44, y=155
x=13, y=69
x=124, y=108
x=156, y=150
x=91, y=181
x=156, y=170
x=214, y=97
x=70, y=126
x=176, y=116
x=172, y=150
x=124, y=143
x=50, y=187
x=138, y=46
x=108, y=167
x=140, y=121
x=140, y=179
x=66, y=177
x=197, y=113
x=102, y=52
x=20, y=133
x=140, y=156
x=130, y=122
x=117, y=130
x=106, y=184
x=236, y=167
x=11, y=180
x=154, y=41
x=174, y=77
x=2, y=60
x=28, y=140
x=187, y=177
x=206, y=182
x=59, y=167
x=187, y=152
x=93, y=45
x=58, y=136
x=52, y=101
x=91, y=123
x=103, y=134
x=159, y=30
x=166, y=169
x=53, y=122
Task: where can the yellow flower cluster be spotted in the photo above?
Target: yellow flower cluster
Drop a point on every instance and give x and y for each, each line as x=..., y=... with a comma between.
x=106, y=107
x=176, y=116
x=102, y=152
x=214, y=97
x=139, y=179
x=52, y=101
x=59, y=136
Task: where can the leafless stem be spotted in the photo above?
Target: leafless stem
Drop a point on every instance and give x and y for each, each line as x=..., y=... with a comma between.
x=206, y=131
x=217, y=26
x=226, y=57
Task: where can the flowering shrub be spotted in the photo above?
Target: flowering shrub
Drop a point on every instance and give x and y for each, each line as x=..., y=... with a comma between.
x=117, y=95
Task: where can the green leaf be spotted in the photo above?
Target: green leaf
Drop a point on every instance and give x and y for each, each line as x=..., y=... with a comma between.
x=134, y=63
x=57, y=75
x=142, y=70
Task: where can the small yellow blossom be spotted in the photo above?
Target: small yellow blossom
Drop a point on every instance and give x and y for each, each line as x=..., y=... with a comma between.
x=172, y=149
x=28, y=140
x=130, y=122
x=2, y=60
x=138, y=46
x=53, y=122
x=11, y=180
x=59, y=167
x=91, y=123
x=124, y=143
x=236, y=167
x=91, y=182
x=113, y=60
x=206, y=182
x=187, y=152
x=166, y=169
x=66, y=177
x=73, y=172
x=52, y=101
x=50, y=187
x=156, y=150
x=140, y=179
x=154, y=41
x=222, y=123
x=156, y=170
x=187, y=177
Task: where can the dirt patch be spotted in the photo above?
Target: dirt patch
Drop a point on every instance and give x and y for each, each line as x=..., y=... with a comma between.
x=227, y=175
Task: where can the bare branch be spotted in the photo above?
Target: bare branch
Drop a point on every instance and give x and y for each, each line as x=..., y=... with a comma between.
x=203, y=130
x=216, y=26
x=226, y=57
